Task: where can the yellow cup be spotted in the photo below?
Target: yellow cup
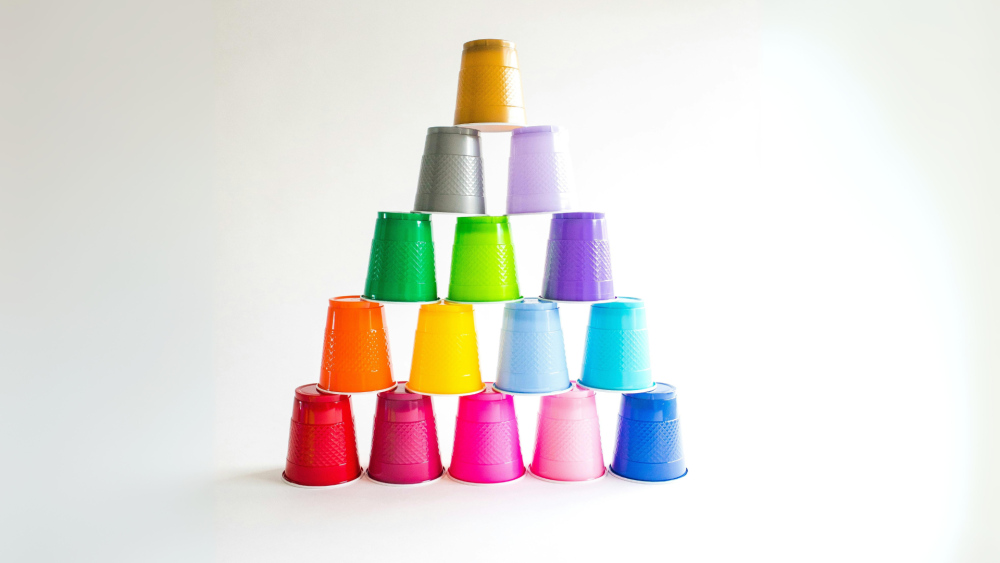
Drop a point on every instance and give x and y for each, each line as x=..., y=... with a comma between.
x=445, y=352
x=489, y=87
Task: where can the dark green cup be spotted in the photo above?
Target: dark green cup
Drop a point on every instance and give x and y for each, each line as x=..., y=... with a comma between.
x=401, y=264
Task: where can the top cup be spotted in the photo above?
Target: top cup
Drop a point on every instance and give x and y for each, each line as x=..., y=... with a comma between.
x=540, y=172
x=451, y=172
x=489, y=87
x=401, y=264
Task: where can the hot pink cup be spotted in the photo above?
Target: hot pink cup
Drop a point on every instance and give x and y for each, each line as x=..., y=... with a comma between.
x=568, y=441
x=487, y=447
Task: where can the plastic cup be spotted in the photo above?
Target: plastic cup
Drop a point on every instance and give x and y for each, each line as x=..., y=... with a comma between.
x=322, y=449
x=489, y=87
x=540, y=171
x=401, y=264
x=648, y=446
x=445, y=351
x=356, y=351
x=404, y=440
x=568, y=441
x=578, y=259
x=616, y=354
x=482, y=261
x=487, y=448
x=532, y=353
x=451, y=172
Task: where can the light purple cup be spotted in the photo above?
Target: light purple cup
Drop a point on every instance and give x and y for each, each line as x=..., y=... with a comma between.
x=578, y=259
x=540, y=172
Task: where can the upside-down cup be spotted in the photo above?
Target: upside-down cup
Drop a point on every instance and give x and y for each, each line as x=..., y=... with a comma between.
x=401, y=264
x=532, y=353
x=648, y=445
x=445, y=351
x=487, y=448
x=356, y=351
x=322, y=448
x=616, y=354
x=451, y=172
x=489, y=87
x=578, y=259
x=482, y=261
x=404, y=440
x=540, y=171
x=568, y=441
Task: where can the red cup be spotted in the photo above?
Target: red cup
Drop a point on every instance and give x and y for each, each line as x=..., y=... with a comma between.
x=404, y=440
x=322, y=448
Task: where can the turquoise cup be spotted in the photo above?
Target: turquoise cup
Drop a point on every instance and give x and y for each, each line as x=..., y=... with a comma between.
x=616, y=357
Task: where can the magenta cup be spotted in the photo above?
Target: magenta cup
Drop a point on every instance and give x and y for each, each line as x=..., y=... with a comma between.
x=540, y=171
x=487, y=448
x=404, y=441
x=578, y=259
x=568, y=441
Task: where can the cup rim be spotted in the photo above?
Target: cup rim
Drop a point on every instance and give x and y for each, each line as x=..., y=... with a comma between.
x=533, y=474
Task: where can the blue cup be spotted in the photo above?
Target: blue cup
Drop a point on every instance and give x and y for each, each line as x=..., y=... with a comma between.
x=648, y=445
x=532, y=354
x=616, y=357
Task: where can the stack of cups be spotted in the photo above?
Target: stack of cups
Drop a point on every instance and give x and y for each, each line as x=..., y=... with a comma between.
x=487, y=447
x=451, y=172
x=445, y=352
x=404, y=440
x=482, y=261
x=568, y=441
x=648, y=446
x=540, y=173
x=616, y=354
x=532, y=354
x=356, y=351
x=578, y=259
x=489, y=87
x=322, y=449
x=401, y=264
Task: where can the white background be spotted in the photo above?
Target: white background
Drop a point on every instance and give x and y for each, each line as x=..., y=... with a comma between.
x=805, y=196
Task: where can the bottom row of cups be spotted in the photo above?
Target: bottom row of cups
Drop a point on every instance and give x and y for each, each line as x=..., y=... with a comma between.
x=322, y=448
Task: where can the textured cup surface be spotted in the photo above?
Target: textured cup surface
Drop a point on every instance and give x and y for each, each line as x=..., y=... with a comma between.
x=356, y=348
x=487, y=447
x=322, y=448
x=532, y=353
x=616, y=353
x=482, y=261
x=445, y=351
x=578, y=258
x=401, y=263
x=540, y=171
x=451, y=172
x=404, y=439
x=648, y=443
x=568, y=440
x=489, y=87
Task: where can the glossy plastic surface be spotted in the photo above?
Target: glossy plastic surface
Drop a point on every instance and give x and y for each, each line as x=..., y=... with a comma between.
x=532, y=353
x=404, y=439
x=487, y=447
x=356, y=355
x=540, y=171
x=322, y=448
x=401, y=263
x=616, y=354
x=489, y=87
x=451, y=172
x=482, y=261
x=648, y=444
x=568, y=440
x=578, y=258
x=445, y=351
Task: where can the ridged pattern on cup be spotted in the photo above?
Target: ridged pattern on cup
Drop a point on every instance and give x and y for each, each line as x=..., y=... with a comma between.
x=616, y=350
x=483, y=265
x=451, y=174
x=649, y=442
x=569, y=440
x=532, y=352
x=486, y=443
x=319, y=445
x=393, y=261
x=540, y=173
x=404, y=443
x=355, y=352
x=499, y=85
x=578, y=260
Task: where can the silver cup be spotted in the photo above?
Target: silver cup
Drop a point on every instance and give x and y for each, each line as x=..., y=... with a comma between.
x=451, y=173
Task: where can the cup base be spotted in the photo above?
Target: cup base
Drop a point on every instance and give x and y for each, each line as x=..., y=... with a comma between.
x=461, y=213
x=603, y=390
x=411, y=390
x=404, y=485
x=483, y=302
x=580, y=302
x=535, y=394
x=514, y=480
x=344, y=484
x=385, y=302
x=489, y=127
x=532, y=473
x=328, y=392
x=612, y=473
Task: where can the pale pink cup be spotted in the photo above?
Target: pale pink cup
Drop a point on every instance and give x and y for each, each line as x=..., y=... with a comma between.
x=568, y=441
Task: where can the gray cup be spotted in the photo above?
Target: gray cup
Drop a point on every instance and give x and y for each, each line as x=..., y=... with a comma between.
x=451, y=173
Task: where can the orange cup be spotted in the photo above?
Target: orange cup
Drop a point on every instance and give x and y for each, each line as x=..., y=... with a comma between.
x=356, y=348
x=489, y=87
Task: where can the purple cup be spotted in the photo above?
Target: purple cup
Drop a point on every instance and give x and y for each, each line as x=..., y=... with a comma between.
x=540, y=172
x=578, y=259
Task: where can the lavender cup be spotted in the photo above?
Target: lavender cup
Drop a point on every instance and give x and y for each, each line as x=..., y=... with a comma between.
x=578, y=259
x=540, y=171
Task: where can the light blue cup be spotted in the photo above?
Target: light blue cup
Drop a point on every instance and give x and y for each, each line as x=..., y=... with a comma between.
x=532, y=354
x=616, y=357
